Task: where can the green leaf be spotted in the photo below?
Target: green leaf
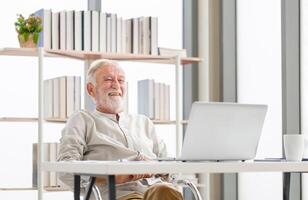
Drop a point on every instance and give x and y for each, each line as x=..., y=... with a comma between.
x=26, y=36
x=35, y=37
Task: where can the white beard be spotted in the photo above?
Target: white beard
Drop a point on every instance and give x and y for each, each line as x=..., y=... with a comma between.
x=114, y=103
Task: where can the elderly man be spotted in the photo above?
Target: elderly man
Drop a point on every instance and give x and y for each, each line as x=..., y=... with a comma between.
x=109, y=134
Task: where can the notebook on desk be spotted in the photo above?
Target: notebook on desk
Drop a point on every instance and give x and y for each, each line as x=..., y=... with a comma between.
x=222, y=131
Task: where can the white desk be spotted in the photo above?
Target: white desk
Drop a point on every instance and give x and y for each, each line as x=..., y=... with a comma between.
x=111, y=168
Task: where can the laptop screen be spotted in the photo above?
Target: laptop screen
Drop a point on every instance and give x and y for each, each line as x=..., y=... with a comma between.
x=223, y=131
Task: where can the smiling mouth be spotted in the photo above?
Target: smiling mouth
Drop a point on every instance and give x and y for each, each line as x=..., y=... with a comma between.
x=114, y=94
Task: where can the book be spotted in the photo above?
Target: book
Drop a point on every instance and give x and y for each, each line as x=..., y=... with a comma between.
x=123, y=35
x=156, y=101
x=119, y=35
x=45, y=175
x=70, y=95
x=103, y=32
x=154, y=35
x=128, y=40
x=63, y=30
x=55, y=19
x=172, y=52
x=52, y=157
x=56, y=97
x=113, y=33
x=146, y=97
x=77, y=93
x=141, y=35
x=70, y=30
x=135, y=36
x=62, y=94
x=146, y=35
x=161, y=101
x=167, y=102
x=48, y=98
x=108, y=34
x=87, y=42
x=45, y=35
x=78, y=30
x=95, y=30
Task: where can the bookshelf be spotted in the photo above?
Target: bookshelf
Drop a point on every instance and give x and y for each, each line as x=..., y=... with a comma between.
x=87, y=56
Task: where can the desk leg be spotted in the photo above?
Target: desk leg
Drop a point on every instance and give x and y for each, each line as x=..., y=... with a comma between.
x=89, y=188
x=286, y=185
x=112, y=189
x=76, y=187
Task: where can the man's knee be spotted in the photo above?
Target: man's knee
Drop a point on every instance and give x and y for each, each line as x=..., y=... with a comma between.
x=162, y=192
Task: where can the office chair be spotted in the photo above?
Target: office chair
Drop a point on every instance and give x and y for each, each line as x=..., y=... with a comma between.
x=184, y=183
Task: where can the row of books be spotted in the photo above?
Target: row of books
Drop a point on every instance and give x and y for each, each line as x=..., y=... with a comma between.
x=154, y=99
x=62, y=96
x=98, y=31
x=51, y=179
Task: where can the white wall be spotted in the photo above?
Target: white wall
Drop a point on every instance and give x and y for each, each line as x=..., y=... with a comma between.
x=304, y=87
x=18, y=86
x=259, y=81
x=18, y=82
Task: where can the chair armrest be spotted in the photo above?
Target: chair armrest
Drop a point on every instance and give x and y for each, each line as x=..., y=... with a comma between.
x=191, y=186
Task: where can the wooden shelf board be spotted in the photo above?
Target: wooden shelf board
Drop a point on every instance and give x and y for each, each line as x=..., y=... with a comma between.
x=18, y=189
x=18, y=119
x=30, y=119
x=50, y=189
x=8, y=51
x=83, y=55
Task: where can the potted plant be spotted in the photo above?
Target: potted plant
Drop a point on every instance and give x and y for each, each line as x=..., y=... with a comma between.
x=28, y=30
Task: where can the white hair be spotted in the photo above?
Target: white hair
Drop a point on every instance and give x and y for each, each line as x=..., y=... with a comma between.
x=96, y=65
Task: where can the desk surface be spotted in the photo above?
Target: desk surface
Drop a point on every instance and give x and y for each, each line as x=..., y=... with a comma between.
x=116, y=167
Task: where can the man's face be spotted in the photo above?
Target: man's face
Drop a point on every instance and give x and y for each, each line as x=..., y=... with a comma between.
x=110, y=89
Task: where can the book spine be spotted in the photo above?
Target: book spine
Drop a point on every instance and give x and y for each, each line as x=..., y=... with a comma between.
x=103, y=32
x=87, y=41
x=70, y=30
x=78, y=30
x=95, y=30
x=63, y=30
x=70, y=99
x=55, y=31
x=45, y=34
x=56, y=98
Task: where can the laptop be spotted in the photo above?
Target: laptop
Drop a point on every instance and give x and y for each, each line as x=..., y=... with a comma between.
x=222, y=131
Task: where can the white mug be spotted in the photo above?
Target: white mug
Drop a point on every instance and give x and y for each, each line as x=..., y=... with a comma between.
x=293, y=147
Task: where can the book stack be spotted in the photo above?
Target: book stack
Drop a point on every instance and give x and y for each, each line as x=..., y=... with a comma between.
x=62, y=96
x=98, y=31
x=51, y=151
x=172, y=52
x=154, y=99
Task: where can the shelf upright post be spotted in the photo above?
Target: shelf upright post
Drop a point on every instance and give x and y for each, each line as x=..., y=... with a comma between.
x=178, y=110
x=40, y=152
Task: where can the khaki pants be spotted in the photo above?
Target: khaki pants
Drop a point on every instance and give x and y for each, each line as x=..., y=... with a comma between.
x=156, y=192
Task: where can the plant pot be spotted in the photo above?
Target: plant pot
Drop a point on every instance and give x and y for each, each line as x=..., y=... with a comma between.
x=26, y=43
